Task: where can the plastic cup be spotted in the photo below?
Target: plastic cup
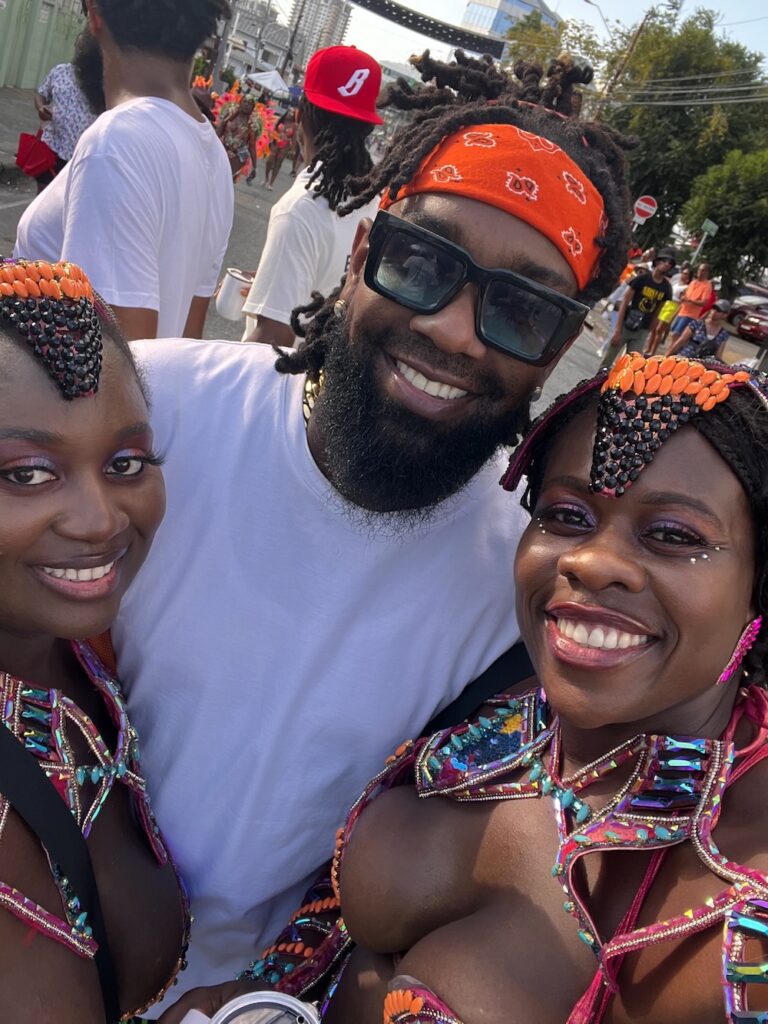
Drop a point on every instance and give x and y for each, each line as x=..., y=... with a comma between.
x=229, y=301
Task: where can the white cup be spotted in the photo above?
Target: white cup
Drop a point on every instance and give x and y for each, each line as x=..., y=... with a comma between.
x=229, y=301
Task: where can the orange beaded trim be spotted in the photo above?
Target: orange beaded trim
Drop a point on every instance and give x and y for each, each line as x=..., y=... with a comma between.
x=673, y=376
x=401, y=1002
x=39, y=280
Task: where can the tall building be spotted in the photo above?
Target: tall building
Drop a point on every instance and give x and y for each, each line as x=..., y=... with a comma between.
x=321, y=23
x=496, y=17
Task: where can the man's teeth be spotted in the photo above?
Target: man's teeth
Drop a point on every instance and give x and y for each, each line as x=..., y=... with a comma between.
x=429, y=387
x=599, y=636
x=80, y=575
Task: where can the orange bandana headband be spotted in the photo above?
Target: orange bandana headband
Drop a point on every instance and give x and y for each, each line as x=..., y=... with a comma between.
x=525, y=175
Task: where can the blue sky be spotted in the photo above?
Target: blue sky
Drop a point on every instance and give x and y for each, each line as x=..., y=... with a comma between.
x=745, y=21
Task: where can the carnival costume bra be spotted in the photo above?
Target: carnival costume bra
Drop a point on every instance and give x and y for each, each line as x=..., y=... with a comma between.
x=43, y=721
x=673, y=795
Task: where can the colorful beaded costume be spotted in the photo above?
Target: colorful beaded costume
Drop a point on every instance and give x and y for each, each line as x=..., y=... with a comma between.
x=673, y=795
x=43, y=721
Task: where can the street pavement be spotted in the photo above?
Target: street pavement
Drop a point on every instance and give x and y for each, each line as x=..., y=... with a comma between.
x=252, y=207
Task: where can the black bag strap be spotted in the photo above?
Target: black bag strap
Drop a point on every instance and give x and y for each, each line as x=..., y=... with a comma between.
x=34, y=798
x=512, y=667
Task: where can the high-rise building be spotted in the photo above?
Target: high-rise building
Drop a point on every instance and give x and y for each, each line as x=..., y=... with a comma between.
x=321, y=23
x=496, y=17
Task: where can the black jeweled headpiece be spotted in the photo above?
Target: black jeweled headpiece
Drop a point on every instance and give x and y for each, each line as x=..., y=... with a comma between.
x=643, y=401
x=51, y=306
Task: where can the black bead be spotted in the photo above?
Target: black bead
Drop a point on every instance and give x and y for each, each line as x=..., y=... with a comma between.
x=610, y=482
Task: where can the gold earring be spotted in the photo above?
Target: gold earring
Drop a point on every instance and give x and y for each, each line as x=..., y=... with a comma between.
x=340, y=309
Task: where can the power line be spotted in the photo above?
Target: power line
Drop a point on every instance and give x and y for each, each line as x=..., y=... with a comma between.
x=689, y=103
x=717, y=90
x=748, y=21
x=698, y=77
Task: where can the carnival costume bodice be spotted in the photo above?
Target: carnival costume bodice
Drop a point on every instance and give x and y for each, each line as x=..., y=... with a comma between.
x=673, y=795
x=45, y=722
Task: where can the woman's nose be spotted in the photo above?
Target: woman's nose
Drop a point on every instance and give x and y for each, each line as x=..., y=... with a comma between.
x=452, y=328
x=93, y=513
x=603, y=560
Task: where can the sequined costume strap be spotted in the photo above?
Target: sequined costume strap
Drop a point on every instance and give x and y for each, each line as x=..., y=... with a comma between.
x=410, y=1002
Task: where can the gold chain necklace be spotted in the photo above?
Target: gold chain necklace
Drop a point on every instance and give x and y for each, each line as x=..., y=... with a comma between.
x=312, y=391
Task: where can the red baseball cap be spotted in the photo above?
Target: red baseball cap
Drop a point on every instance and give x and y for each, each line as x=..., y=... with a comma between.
x=344, y=80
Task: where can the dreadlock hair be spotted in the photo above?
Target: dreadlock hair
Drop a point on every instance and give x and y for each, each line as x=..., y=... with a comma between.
x=472, y=91
x=340, y=151
x=89, y=71
x=170, y=28
x=738, y=431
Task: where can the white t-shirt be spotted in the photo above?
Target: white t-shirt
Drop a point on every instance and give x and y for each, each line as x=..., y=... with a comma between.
x=307, y=249
x=145, y=207
x=274, y=651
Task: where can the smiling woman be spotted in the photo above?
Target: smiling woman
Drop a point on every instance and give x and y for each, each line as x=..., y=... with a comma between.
x=642, y=598
x=81, y=496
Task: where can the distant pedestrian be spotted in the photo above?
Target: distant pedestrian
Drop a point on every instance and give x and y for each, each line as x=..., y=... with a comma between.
x=668, y=311
x=65, y=113
x=146, y=203
x=308, y=245
x=696, y=299
x=237, y=133
x=639, y=308
x=706, y=337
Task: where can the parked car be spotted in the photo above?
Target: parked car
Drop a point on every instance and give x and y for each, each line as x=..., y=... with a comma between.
x=754, y=327
x=746, y=304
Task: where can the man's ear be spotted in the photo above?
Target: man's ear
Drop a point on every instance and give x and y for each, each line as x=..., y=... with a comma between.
x=95, y=20
x=357, y=259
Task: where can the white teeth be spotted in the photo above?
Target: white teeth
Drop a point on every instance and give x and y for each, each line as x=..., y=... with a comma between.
x=429, y=387
x=598, y=636
x=80, y=575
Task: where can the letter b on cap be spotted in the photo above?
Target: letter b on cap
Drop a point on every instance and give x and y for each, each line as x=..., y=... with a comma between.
x=356, y=82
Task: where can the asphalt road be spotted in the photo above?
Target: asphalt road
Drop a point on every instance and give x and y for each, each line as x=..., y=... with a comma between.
x=252, y=207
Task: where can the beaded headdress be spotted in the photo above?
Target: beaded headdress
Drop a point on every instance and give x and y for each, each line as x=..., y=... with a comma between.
x=53, y=308
x=643, y=401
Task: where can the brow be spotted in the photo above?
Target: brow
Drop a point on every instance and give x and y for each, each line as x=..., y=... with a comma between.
x=47, y=437
x=668, y=499
x=518, y=263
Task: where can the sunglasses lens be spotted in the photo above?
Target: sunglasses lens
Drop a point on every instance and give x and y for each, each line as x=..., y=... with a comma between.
x=518, y=321
x=416, y=273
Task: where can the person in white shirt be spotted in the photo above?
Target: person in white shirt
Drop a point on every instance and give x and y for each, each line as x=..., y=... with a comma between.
x=145, y=206
x=308, y=243
x=336, y=560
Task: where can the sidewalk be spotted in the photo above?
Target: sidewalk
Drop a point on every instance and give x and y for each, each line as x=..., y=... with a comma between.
x=17, y=114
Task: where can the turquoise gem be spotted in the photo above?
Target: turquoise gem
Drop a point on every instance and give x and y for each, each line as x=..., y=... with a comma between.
x=446, y=751
x=536, y=771
x=80, y=921
x=566, y=797
x=121, y=769
x=547, y=784
x=287, y=968
x=434, y=764
x=96, y=774
x=273, y=977
x=514, y=704
x=642, y=834
x=456, y=742
x=474, y=732
x=582, y=813
x=579, y=838
x=613, y=836
x=485, y=723
x=80, y=776
x=568, y=907
x=586, y=937
x=662, y=833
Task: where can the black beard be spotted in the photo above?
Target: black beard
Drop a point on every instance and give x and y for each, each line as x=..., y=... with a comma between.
x=89, y=71
x=382, y=457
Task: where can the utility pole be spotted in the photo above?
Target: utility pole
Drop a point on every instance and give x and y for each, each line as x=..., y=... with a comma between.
x=218, y=83
x=262, y=26
x=617, y=75
x=288, y=59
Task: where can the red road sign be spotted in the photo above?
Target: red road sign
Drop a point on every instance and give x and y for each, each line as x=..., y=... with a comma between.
x=645, y=207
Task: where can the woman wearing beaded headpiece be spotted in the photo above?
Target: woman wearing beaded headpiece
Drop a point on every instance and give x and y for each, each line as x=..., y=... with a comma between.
x=593, y=848
x=81, y=495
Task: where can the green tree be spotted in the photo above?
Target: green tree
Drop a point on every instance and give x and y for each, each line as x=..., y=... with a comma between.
x=657, y=98
x=531, y=38
x=734, y=195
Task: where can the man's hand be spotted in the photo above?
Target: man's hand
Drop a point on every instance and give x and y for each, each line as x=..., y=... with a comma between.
x=207, y=1000
x=44, y=112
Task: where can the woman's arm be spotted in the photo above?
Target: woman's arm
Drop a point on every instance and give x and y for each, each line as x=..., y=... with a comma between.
x=684, y=338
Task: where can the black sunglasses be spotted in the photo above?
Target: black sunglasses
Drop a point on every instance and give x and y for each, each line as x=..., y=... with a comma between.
x=424, y=272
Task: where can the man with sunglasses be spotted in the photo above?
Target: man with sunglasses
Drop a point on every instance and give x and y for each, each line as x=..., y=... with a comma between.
x=336, y=562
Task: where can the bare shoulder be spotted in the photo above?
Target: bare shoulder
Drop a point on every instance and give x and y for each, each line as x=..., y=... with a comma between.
x=742, y=832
